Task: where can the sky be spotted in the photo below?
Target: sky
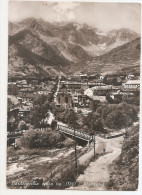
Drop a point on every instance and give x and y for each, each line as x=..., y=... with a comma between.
x=105, y=16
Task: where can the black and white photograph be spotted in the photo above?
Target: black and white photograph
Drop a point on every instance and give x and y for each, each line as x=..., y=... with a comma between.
x=73, y=95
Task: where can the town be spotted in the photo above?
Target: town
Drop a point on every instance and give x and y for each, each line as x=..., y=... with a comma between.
x=75, y=92
x=85, y=108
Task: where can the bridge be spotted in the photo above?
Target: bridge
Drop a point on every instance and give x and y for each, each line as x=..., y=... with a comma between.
x=75, y=133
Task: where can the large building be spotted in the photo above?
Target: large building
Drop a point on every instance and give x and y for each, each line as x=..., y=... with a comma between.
x=80, y=100
x=98, y=90
x=71, y=85
x=64, y=99
x=132, y=84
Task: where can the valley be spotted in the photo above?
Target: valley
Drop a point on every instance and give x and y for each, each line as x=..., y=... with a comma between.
x=38, y=47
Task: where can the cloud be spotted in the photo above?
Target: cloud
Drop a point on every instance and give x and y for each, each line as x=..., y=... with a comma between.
x=64, y=10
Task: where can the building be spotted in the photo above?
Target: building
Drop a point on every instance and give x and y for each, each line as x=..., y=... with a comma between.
x=80, y=85
x=132, y=84
x=42, y=92
x=13, y=112
x=23, y=84
x=23, y=111
x=96, y=83
x=101, y=90
x=130, y=77
x=64, y=99
x=99, y=98
x=27, y=94
x=72, y=85
x=119, y=95
x=89, y=92
x=80, y=100
x=113, y=80
x=98, y=90
x=83, y=76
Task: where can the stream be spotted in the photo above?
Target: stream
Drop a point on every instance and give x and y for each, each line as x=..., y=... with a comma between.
x=23, y=163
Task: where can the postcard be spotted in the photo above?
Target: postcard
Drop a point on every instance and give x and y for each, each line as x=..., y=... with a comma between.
x=73, y=95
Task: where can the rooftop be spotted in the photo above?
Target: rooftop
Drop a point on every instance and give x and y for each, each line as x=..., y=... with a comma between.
x=71, y=82
x=63, y=93
x=133, y=82
x=26, y=90
x=100, y=98
x=102, y=87
x=24, y=108
x=13, y=99
x=122, y=93
x=11, y=83
x=96, y=83
x=22, y=82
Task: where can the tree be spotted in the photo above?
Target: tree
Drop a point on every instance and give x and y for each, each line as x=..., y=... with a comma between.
x=94, y=104
x=22, y=126
x=109, y=99
x=40, y=110
x=94, y=122
x=12, y=126
x=116, y=120
x=71, y=118
x=54, y=124
x=118, y=116
x=42, y=139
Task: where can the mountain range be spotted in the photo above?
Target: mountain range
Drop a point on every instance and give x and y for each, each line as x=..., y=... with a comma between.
x=37, y=47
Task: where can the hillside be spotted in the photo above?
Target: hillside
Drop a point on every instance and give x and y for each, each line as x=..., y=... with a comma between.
x=124, y=171
x=39, y=47
x=126, y=55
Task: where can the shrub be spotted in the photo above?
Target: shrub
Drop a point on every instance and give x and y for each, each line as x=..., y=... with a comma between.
x=41, y=139
x=54, y=124
x=22, y=126
x=118, y=115
x=124, y=171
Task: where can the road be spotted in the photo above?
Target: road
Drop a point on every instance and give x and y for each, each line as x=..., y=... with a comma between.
x=56, y=91
x=96, y=175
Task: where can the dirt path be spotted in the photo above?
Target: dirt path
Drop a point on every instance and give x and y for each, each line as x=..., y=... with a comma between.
x=100, y=144
x=96, y=175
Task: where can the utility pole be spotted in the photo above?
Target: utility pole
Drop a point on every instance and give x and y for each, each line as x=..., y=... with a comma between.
x=126, y=124
x=93, y=135
x=94, y=144
x=76, y=165
x=61, y=173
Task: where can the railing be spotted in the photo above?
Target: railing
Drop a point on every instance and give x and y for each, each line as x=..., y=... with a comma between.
x=42, y=129
x=62, y=128
x=78, y=133
x=117, y=135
